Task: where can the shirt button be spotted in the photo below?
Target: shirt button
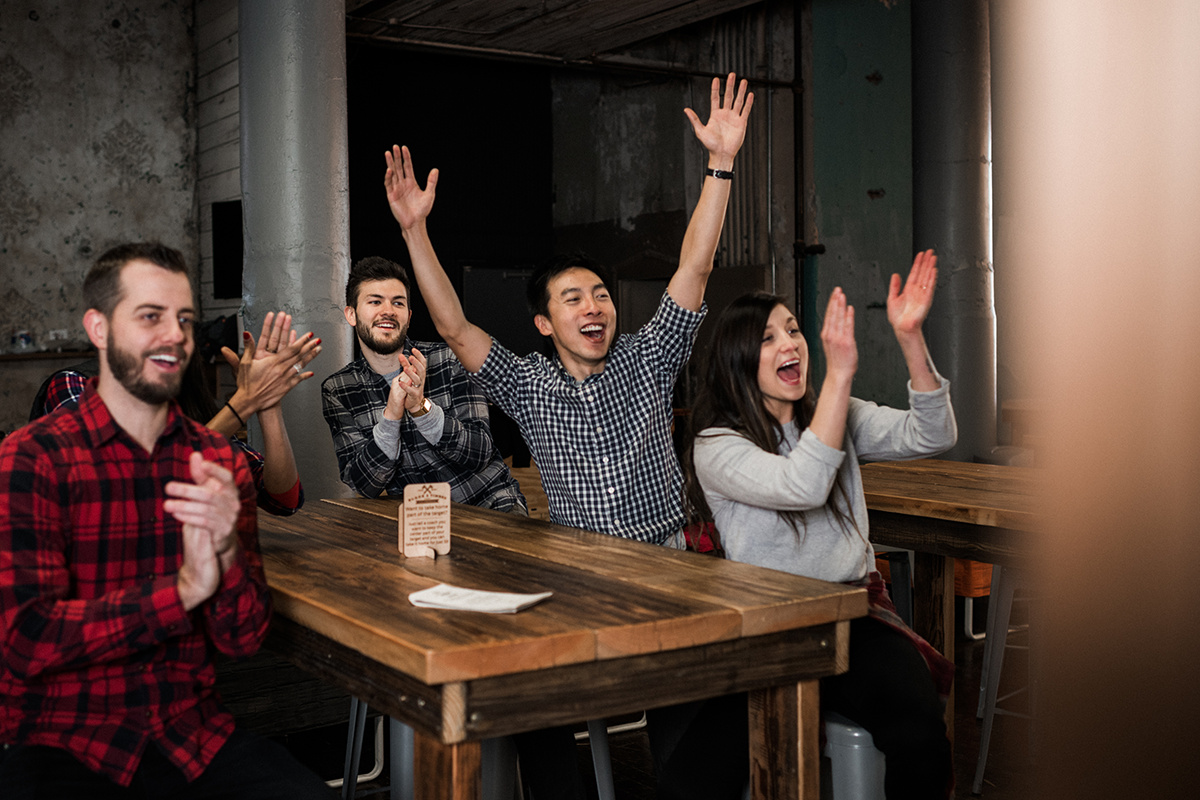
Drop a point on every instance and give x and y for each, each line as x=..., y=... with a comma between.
x=616, y=522
x=605, y=459
x=599, y=429
x=612, y=490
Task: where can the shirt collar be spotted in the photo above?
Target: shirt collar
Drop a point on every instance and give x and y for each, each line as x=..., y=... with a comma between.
x=101, y=428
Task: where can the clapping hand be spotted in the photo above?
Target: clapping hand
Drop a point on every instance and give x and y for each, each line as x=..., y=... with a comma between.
x=907, y=309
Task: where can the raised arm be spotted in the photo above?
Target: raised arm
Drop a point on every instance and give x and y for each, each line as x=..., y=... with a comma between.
x=907, y=311
x=722, y=136
x=411, y=206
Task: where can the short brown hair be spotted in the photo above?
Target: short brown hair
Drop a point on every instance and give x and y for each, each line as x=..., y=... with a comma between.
x=373, y=268
x=102, y=286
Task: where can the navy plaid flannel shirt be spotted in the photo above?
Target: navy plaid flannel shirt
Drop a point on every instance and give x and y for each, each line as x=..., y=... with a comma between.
x=603, y=445
x=353, y=400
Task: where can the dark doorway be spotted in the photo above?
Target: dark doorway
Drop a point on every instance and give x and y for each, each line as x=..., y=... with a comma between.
x=486, y=126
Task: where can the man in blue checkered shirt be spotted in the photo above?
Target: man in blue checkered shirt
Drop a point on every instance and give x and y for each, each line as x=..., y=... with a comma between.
x=406, y=412
x=597, y=416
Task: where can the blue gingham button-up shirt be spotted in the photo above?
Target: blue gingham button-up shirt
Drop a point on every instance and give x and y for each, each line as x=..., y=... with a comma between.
x=603, y=445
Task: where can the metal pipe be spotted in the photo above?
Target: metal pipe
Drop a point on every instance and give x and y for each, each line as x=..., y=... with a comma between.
x=294, y=167
x=952, y=205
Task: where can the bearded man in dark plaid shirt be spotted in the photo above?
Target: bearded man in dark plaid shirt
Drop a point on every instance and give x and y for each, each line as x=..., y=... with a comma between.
x=597, y=415
x=128, y=555
x=406, y=412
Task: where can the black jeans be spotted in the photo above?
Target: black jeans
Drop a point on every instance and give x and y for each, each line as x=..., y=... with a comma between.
x=888, y=691
x=247, y=766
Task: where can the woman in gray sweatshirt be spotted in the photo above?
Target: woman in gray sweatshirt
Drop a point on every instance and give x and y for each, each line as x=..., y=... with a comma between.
x=775, y=466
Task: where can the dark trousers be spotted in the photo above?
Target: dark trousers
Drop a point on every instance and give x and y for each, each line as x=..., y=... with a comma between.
x=247, y=766
x=701, y=750
x=888, y=691
x=550, y=764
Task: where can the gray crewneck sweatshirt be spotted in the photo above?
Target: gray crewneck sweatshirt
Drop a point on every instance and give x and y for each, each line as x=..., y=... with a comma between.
x=746, y=486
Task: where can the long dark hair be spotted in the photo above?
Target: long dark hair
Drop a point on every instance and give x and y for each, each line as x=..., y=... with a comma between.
x=729, y=397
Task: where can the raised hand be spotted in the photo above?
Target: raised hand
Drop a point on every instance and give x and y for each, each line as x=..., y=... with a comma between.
x=725, y=130
x=409, y=203
x=837, y=336
x=907, y=309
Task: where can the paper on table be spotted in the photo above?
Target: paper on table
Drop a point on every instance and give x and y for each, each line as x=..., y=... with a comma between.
x=455, y=597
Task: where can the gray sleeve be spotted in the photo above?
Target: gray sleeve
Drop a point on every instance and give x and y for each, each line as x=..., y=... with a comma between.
x=430, y=425
x=881, y=433
x=387, y=436
x=731, y=466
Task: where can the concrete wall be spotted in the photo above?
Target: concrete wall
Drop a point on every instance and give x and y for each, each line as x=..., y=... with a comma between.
x=97, y=146
x=862, y=143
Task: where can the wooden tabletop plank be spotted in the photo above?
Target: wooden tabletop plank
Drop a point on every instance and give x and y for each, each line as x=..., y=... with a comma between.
x=766, y=600
x=335, y=568
x=979, y=494
x=340, y=573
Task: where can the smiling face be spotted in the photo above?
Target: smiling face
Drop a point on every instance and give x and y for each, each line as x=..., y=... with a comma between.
x=149, y=340
x=782, y=364
x=581, y=320
x=381, y=315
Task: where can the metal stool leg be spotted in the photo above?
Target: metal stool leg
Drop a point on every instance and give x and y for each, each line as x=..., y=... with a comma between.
x=354, y=739
x=402, y=748
x=1001, y=599
x=601, y=758
x=499, y=760
x=993, y=602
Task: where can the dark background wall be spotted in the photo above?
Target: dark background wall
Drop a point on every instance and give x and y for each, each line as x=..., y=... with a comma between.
x=486, y=126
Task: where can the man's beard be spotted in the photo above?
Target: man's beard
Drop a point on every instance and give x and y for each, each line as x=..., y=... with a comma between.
x=127, y=369
x=367, y=337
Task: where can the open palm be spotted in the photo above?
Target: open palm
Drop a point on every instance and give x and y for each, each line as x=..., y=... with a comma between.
x=908, y=309
x=409, y=203
x=726, y=127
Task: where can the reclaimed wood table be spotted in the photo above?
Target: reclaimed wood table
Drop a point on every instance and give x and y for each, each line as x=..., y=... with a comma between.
x=944, y=510
x=630, y=626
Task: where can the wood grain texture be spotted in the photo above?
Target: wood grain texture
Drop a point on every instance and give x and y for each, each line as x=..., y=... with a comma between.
x=765, y=600
x=446, y=772
x=511, y=703
x=784, y=722
x=979, y=494
x=629, y=626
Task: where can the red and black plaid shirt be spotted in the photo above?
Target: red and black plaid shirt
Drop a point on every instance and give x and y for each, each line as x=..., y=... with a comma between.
x=98, y=656
x=65, y=387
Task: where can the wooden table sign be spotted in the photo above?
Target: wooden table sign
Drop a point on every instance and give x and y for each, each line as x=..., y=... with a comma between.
x=424, y=520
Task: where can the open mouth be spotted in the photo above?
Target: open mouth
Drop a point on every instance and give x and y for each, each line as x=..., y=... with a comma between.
x=593, y=333
x=168, y=362
x=387, y=325
x=790, y=373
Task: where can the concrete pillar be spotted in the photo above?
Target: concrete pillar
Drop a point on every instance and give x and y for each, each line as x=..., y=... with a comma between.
x=292, y=78
x=952, y=205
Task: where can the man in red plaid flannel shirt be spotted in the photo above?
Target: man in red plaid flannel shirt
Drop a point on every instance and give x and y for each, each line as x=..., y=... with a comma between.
x=128, y=555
